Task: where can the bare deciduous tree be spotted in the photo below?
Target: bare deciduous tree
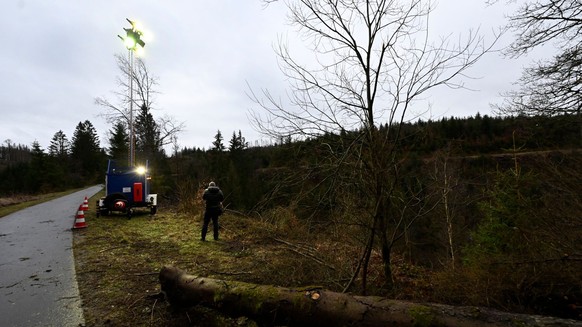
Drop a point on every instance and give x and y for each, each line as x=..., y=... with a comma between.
x=446, y=179
x=144, y=85
x=371, y=60
x=552, y=86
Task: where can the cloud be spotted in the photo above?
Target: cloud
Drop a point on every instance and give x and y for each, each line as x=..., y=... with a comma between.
x=57, y=56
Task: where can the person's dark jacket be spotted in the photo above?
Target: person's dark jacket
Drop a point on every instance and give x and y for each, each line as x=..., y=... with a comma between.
x=213, y=197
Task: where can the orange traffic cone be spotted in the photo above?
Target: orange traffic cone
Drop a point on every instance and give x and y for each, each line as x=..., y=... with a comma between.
x=80, y=219
x=85, y=205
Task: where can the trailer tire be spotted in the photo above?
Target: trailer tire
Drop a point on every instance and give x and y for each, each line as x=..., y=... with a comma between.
x=115, y=196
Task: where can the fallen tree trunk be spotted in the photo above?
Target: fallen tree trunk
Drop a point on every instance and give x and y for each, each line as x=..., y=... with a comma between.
x=270, y=305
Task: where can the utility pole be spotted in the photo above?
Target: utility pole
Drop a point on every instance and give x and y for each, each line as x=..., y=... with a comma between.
x=132, y=42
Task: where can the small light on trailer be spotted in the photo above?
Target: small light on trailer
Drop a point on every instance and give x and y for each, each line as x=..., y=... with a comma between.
x=140, y=170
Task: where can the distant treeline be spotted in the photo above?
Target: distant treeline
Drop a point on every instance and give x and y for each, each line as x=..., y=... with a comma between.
x=64, y=165
x=31, y=169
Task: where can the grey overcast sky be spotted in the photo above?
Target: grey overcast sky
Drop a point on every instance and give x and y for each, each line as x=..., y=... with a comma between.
x=57, y=56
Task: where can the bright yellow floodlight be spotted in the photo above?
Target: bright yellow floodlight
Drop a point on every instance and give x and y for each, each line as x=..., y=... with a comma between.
x=140, y=170
x=139, y=52
x=138, y=26
x=129, y=42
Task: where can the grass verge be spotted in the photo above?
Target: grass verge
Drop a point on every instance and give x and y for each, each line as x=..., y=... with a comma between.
x=12, y=204
x=118, y=261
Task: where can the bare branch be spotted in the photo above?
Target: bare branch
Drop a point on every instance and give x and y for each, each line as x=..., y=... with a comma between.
x=371, y=60
x=144, y=85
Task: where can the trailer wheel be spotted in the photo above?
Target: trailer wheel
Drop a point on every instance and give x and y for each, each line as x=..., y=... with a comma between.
x=110, y=202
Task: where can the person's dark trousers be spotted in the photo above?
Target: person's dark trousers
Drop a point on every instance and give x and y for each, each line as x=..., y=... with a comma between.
x=207, y=217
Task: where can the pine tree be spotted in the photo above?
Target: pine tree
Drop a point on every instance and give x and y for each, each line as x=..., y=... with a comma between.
x=218, y=145
x=237, y=142
x=118, y=142
x=37, y=172
x=147, y=135
x=85, y=151
x=242, y=141
x=60, y=146
x=233, y=143
x=58, y=162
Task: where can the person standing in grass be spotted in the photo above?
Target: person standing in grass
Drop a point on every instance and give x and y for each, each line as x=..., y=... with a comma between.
x=213, y=197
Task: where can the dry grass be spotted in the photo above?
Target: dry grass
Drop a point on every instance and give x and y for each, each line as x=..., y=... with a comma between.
x=118, y=261
x=10, y=204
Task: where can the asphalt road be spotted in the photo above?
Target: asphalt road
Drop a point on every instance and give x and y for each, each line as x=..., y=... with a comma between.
x=38, y=286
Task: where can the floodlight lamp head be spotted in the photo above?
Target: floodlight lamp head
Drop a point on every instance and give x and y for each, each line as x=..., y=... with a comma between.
x=129, y=42
x=133, y=37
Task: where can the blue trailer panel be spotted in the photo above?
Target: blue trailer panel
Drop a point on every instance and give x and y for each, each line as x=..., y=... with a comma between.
x=126, y=188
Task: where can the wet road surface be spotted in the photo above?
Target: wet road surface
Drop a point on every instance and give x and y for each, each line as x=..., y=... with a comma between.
x=38, y=286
